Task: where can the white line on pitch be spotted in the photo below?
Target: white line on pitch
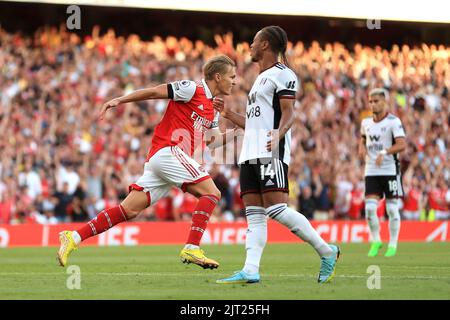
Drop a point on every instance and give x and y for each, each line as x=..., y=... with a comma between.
x=168, y=274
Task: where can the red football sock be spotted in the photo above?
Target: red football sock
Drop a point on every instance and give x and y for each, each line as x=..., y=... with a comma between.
x=200, y=218
x=102, y=222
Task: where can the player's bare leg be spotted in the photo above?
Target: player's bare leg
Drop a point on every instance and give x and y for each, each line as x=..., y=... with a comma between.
x=208, y=195
x=130, y=207
x=135, y=203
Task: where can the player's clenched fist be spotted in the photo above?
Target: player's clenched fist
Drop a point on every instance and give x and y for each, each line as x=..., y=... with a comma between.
x=108, y=105
x=274, y=140
x=219, y=105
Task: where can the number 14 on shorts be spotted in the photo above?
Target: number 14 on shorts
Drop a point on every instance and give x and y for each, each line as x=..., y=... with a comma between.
x=267, y=171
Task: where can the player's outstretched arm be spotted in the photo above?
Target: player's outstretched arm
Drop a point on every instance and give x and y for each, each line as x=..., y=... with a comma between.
x=215, y=138
x=158, y=92
x=236, y=118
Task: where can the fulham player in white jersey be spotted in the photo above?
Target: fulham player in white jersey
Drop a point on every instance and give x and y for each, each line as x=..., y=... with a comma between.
x=265, y=157
x=382, y=139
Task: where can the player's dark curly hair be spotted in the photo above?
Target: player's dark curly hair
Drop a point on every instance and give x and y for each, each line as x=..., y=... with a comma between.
x=277, y=39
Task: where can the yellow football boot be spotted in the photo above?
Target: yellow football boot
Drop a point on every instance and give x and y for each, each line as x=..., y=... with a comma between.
x=67, y=245
x=197, y=256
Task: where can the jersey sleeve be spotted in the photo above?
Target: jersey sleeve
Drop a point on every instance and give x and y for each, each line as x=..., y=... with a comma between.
x=181, y=90
x=363, y=129
x=215, y=123
x=397, y=128
x=286, y=84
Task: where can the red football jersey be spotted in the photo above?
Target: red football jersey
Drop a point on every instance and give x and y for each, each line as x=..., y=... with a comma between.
x=411, y=201
x=189, y=114
x=356, y=204
x=436, y=199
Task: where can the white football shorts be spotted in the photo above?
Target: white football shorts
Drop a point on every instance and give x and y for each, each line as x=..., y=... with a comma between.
x=168, y=167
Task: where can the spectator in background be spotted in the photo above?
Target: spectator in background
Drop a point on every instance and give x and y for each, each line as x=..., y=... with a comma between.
x=189, y=202
x=66, y=174
x=307, y=202
x=31, y=179
x=63, y=199
x=413, y=200
x=343, y=197
x=294, y=190
x=356, y=206
x=6, y=206
x=164, y=209
x=437, y=199
x=76, y=211
x=221, y=182
x=321, y=192
x=94, y=182
x=47, y=207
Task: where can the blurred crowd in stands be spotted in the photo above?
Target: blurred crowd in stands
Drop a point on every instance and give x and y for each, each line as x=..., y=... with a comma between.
x=58, y=163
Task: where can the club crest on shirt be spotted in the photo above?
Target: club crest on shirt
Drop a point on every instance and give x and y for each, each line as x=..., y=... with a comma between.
x=184, y=83
x=252, y=97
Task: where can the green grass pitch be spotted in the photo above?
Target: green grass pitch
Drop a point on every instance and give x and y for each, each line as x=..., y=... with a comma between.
x=288, y=271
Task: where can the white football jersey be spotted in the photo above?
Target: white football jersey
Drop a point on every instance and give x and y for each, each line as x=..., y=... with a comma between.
x=263, y=113
x=381, y=135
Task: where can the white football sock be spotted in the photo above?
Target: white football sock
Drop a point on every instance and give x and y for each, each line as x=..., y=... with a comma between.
x=76, y=237
x=256, y=237
x=189, y=246
x=372, y=219
x=300, y=226
x=394, y=221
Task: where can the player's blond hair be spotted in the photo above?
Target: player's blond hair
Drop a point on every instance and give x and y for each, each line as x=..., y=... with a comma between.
x=217, y=64
x=379, y=92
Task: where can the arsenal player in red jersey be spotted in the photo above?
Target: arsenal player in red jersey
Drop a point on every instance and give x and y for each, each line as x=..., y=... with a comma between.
x=189, y=115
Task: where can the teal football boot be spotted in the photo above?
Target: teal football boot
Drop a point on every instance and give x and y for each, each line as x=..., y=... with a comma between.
x=240, y=277
x=328, y=265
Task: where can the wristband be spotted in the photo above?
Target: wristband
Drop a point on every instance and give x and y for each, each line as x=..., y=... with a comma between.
x=383, y=152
